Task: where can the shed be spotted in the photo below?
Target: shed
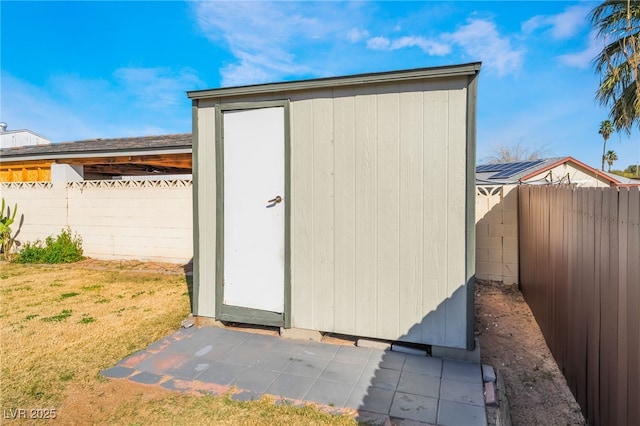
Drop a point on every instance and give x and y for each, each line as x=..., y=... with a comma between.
x=341, y=204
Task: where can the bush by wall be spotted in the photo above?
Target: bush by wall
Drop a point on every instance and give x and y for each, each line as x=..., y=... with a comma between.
x=64, y=248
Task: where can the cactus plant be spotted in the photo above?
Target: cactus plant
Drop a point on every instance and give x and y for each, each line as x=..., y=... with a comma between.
x=6, y=240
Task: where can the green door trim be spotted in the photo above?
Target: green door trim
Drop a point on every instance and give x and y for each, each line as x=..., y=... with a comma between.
x=236, y=313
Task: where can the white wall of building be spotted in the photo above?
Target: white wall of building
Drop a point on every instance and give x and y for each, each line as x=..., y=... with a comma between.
x=15, y=138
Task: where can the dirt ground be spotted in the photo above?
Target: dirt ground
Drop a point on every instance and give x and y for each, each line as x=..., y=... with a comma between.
x=511, y=341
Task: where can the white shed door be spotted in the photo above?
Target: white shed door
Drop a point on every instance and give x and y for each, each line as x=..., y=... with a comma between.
x=254, y=208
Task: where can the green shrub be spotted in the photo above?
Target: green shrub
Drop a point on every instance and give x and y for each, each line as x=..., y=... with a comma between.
x=63, y=248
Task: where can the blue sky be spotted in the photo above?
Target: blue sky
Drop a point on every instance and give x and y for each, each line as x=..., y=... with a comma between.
x=80, y=70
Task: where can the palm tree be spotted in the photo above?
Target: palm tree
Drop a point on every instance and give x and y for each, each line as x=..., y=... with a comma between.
x=611, y=157
x=606, y=128
x=618, y=24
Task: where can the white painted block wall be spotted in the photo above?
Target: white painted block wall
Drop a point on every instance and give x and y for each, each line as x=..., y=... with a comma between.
x=128, y=222
x=497, y=233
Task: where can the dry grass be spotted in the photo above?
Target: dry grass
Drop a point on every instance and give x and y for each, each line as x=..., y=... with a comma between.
x=61, y=325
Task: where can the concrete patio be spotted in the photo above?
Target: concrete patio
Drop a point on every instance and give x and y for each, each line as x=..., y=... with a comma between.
x=373, y=384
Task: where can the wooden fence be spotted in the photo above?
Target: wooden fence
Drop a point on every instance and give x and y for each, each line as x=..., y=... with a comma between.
x=580, y=274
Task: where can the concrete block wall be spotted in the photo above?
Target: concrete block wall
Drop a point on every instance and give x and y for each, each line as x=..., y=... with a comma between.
x=497, y=233
x=42, y=209
x=147, y=221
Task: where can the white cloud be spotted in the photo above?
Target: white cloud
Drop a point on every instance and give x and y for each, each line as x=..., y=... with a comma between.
x=355, y=35
x=561, y=26
x=378, y=43
x=430, y=47
x=481, y=40
x=262, y=36
x=583, y=58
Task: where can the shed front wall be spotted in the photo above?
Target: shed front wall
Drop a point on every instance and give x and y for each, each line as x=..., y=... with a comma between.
x=379, y=210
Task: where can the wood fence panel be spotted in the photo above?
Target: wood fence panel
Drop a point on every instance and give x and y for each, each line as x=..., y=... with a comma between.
x=580, y=273
x=623, y=219
x=633, y=305
x=593, y=319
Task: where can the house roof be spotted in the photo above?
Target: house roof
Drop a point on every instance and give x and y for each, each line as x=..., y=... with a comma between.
x=145, y=145
x=623, y=180
x=518, y=172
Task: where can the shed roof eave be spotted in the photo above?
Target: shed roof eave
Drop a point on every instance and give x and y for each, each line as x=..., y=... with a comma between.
x=94, y=154
x=371, y=78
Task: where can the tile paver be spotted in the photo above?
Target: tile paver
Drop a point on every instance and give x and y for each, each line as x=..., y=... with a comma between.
x=419, y=384
x=118, y=372
x=463, y=371
x=306, y=366
x=241, y=355
x=255, y=379
x=329, y=393
x=378, y=383
x=414, y=407
x=392, y=360
x=212, y=352
x=189, y=370
x=221, y=373
x=380, y=378
x=146, y=378
x=273, y=361
x=423, y=365
x=370, y=399
x=344, y=372
x=290, y=386
x=457, y=414
x=459, y=391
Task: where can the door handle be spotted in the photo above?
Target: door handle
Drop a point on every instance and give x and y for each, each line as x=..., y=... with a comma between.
x=276, y=200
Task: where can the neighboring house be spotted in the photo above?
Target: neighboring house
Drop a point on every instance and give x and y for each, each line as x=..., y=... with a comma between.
x=97, y=159
x=560, y=170
x=15, y=138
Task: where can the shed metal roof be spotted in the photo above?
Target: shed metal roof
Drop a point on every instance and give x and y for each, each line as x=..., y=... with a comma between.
x=351, y=80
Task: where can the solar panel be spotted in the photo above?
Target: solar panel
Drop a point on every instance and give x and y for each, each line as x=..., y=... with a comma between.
x=486, y=168
x=512, y=169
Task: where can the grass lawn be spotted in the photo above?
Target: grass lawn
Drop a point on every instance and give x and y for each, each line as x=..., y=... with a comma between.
x=61, y=325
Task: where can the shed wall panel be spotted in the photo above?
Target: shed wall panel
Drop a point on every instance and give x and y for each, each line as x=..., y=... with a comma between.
x=435, y=218
x=388, y=235
x=302, y=280
x=323, y=212
x=204, y=263
x=366, y=215
x=345, y=218
x=410, y=210
x=456, y=315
